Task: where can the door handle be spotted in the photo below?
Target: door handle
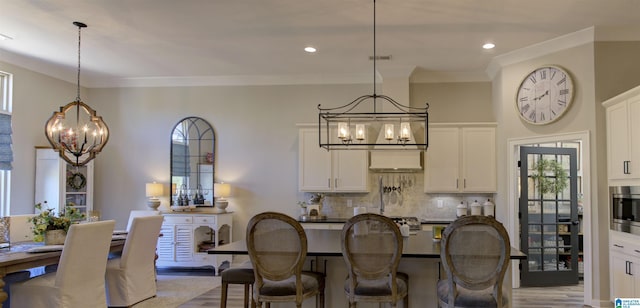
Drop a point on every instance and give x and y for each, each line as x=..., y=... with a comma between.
x=575, y=222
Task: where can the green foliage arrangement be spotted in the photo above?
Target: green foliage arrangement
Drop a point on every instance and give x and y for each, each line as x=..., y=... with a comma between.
x=555, y=183
x=46, y=220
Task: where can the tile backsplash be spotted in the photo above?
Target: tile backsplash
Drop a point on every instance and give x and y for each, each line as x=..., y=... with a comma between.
x=409, y=200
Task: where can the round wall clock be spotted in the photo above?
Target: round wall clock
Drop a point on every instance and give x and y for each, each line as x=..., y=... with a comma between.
x=544, y=95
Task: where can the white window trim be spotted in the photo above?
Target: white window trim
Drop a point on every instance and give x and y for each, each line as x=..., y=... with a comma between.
x=6, y=107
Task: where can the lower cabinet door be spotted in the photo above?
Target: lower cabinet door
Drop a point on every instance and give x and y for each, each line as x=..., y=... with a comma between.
x=622, y=283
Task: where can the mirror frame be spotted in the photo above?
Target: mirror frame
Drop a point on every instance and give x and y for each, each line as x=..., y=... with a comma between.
x=192, y=135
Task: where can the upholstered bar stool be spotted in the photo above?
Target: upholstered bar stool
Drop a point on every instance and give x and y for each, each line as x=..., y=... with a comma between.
x=238, y=275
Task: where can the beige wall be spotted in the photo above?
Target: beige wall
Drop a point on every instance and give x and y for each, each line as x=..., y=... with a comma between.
x=35, y=97
x=454, y=102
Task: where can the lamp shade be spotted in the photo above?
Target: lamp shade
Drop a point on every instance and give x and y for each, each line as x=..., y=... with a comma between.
x=221, y=190
x=154, y=189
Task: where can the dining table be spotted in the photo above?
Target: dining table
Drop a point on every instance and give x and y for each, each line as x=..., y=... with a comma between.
x=20, y=256
x=420, y=259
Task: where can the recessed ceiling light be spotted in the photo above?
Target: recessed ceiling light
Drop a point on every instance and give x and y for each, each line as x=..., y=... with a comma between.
x=488, y=46
x=310, y=49
x=5, y=37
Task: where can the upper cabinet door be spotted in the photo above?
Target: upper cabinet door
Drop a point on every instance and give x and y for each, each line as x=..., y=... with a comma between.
x=442, y=161
x=314, y=163
x=350, y=171
x=623, y=131
x=479, y=159
x=461, y=158
x=618, y=141
x=320, y=170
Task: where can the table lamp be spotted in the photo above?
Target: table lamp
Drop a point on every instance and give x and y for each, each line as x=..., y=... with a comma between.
x=221, y=191
x=153, y=191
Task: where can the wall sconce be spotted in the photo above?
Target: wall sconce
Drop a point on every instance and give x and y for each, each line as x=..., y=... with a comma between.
x=153, y=191
x=221, y=191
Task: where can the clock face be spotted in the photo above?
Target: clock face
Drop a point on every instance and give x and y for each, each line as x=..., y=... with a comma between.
x=544, y=95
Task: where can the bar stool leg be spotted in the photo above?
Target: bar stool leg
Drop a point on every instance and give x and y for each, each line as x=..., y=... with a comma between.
x=223, y=296
x=246, y=296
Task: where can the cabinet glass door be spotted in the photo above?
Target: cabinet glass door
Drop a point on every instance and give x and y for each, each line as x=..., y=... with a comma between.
x=549, y=223
x=76, y=187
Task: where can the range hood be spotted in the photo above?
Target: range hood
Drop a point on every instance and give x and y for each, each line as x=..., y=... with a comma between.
x=396, y=161
x=404, y=160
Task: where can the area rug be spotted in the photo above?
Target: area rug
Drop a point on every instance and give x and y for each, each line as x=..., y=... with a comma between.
x=176, y=290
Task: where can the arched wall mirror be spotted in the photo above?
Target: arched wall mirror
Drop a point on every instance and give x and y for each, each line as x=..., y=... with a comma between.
x=192, y=162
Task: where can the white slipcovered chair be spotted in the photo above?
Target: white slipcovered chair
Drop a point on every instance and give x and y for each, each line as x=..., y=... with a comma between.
x=79, y=281
x=20, y=229
x=139, y=213
x=131, y=278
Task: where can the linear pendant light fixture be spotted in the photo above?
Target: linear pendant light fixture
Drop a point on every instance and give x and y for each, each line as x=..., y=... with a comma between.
x=373, y=121
x=76, y=132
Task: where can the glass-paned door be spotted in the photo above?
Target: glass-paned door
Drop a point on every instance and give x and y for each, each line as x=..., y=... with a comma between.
x=549, y=223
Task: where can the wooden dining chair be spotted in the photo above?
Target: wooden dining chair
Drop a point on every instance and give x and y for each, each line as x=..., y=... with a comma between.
x=79, y=280
x=131, y=278
x=277, y=247
x=475, y=254
x=372, y=248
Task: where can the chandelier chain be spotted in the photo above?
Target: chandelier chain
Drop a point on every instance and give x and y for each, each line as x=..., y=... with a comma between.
x=80, y=26
x=374, y=52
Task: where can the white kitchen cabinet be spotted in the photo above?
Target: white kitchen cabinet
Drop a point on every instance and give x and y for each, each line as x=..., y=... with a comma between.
x=624, y=262
x=59, y=184
x=320, y=170
x=461, y=158
x=623, y=133
x=187, y=236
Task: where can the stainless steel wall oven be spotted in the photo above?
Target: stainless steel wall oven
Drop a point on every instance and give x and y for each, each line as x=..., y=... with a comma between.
x=625, y=208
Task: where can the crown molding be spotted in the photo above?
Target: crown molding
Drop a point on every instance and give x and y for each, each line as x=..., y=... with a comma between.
x=570, y=40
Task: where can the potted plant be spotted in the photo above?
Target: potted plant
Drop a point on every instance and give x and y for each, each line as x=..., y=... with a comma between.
x=53, y=229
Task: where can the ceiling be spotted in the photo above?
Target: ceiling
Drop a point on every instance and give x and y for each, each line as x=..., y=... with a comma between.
x=262, y=41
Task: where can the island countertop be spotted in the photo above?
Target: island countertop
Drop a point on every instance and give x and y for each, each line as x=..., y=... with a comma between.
x=326, y=243
x=429, y=221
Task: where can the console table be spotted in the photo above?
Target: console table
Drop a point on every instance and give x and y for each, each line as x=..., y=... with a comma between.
x=186, y=237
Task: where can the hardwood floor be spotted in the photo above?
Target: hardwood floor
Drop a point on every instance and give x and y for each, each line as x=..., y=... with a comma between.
x=551, y=297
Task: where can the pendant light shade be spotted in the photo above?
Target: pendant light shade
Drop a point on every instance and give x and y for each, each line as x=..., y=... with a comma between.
x=76, y=132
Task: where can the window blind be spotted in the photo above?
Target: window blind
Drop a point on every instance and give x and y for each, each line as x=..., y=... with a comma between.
x=6, y=153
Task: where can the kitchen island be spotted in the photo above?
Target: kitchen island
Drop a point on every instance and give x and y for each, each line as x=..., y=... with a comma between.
x=420, y=260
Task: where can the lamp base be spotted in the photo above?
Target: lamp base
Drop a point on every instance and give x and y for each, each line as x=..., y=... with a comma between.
x=221, y=206
x=153, y=203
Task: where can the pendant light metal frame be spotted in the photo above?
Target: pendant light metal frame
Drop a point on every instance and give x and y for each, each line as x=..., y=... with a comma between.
x=80, y=143
x=330, y=119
